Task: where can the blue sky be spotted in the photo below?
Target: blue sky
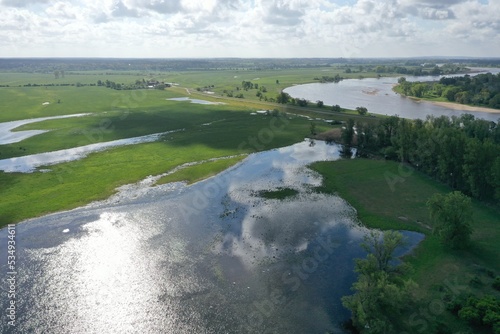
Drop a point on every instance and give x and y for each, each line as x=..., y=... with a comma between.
x=249, y=28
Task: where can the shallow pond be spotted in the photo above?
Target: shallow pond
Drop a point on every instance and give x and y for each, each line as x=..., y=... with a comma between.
x=195, y=101
x=8, y=137
x=213, y=257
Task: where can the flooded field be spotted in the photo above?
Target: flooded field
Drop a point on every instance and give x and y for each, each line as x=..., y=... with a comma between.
x=213, y=257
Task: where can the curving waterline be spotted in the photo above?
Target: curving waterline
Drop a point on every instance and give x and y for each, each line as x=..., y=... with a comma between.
x=29, y=163
x=7, y=136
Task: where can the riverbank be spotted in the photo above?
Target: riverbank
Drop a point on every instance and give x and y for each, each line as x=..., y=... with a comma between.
x=452, y=105
x=463, y=107
x=365, y=184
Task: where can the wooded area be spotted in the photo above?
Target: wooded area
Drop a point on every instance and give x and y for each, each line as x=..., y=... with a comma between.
x=480, y=90
x=462, y=152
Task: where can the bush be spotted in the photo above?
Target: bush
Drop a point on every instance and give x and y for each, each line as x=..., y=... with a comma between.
x=496, y=283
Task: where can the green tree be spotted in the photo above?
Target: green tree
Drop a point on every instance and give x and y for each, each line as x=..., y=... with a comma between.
x=382, y=249
x=283, y=98
x=302, y=102
x=336, y=108
x=418, y=89
x=452, y=217
x=362, y=110
x=320, y=104
x=450, y=93
x=483, y=311
x=478, y=166
x=495, y=177
x=347, y=134
x=380, y=290
x=313, y=129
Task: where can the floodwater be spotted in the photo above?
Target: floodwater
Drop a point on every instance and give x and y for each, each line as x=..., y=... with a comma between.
x=29, y=163
x=379, y=98
x=196, y=101
x=213, y=257
x=8, y=137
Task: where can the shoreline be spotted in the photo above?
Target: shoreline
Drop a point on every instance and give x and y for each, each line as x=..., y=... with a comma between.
x=449, y=105
x=463, y=107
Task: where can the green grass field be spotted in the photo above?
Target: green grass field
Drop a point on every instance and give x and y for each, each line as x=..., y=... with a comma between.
x=388, y=195
x=209, y=131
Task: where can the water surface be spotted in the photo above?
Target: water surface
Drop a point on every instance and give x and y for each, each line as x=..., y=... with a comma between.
x=195, y=101
x=377, y=95
x=8, y=137
x=213, y=257
x=29, y=163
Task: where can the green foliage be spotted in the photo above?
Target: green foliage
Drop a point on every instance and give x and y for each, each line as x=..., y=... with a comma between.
x=462, y=152
x=325, y=78
x=484, y=311
x=496, y=283
x=362, y=110
x=362, y=183
x=247, y=85
x=380, y=291
x=283, y=98
x=480, y=90
x=336, y=108
x=312, y=128
x=383, y=250
x=452, y=216
x=302, y=102
x=348, y=132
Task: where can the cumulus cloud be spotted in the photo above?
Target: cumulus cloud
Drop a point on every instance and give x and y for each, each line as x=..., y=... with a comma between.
x=282, y=13
x=121, y=10
x=430, y=10
x=161, y=6
x=291, y=28
x=23, y=3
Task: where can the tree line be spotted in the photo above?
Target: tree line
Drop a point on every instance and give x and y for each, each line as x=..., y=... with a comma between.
x=480, y=90
x=139, y=84
x=462, y=152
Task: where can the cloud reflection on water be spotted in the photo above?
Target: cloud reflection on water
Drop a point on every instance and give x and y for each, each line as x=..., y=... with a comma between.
x=200, y=258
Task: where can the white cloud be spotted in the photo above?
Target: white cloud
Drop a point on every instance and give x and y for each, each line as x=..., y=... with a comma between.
x=266, y=28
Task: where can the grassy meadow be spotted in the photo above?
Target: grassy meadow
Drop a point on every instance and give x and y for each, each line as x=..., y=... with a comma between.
x=388, y=195
x=208, y=131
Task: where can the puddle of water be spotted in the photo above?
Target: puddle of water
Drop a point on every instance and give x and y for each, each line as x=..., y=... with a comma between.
x=7, y=136
x=212, y=257
x=196, y=101
x=29, y=163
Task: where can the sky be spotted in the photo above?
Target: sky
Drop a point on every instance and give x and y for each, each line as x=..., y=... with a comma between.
x=249, y=28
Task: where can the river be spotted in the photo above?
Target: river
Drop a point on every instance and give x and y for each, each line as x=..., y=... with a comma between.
x=212, y=257
x=379, y=98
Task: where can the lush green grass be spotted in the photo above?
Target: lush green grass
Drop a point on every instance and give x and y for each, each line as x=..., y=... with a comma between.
x=84, y=77
x=75, y=183
x=388, y=195
x=124, y=114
